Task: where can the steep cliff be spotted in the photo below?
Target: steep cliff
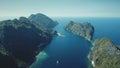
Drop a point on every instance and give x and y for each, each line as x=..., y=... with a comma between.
x=42, y=20
x=20, y=41
x=85, y=30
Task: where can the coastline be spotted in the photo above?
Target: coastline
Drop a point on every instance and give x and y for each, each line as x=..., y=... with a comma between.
x=59, y=34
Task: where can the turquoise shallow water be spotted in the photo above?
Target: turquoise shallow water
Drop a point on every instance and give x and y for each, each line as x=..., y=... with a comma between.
x=71, y=51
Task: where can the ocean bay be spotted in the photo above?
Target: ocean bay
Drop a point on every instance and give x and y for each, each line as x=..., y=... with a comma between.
x=72, y=50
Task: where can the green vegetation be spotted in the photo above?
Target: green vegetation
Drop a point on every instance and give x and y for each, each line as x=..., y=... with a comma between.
x=43, y=20
x=85, y=30
x=20, y=41
x=105, y=54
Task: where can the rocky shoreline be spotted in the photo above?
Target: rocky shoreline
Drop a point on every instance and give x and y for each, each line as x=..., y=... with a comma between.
x=104, y=53
x=85, y=30
x=21, y=40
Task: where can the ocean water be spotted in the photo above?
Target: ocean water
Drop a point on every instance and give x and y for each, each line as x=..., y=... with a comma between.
x=71, y=51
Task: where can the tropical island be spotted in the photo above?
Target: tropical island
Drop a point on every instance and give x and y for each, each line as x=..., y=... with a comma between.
x=105, y=54
x=85, y=30
x=22, y=39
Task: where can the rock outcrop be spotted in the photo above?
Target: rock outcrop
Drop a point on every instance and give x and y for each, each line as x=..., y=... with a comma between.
x=20, y=41
x=85, y=30
x=105, y=54
x=42, y=20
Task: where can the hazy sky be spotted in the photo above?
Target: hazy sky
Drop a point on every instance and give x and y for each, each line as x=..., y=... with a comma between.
x=77, y=8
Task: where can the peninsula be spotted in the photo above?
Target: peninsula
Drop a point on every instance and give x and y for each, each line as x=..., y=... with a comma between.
x=22, y=39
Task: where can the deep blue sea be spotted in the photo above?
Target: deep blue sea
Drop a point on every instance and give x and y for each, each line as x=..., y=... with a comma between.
x=71, y=51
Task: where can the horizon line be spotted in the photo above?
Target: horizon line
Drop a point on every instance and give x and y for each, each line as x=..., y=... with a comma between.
x=62, y=16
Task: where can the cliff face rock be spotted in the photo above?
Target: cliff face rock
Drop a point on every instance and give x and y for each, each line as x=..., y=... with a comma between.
x=43, y=20
x=105, y=54
x=20, y=41
x=83, y=29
